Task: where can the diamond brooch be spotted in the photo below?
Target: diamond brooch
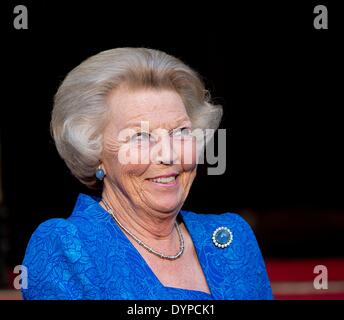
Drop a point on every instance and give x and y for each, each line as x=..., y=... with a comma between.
x=222, y=237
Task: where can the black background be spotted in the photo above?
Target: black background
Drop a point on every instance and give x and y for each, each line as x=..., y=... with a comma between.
x=279, y=80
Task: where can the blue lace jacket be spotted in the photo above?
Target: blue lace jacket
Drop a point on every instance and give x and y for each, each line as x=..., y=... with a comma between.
x=87, y=256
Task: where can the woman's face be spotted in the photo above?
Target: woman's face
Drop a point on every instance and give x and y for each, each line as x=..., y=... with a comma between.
x=149, y=152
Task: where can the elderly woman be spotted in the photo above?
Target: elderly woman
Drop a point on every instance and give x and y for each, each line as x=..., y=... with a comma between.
x=123, y=121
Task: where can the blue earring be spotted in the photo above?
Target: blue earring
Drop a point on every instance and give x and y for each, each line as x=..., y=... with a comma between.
x=100, y=174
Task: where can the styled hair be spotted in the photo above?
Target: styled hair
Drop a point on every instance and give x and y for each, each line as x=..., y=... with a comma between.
x=80, y=104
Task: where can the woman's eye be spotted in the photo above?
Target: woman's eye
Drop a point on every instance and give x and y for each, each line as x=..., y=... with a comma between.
x=141, y=137
x=182, y=132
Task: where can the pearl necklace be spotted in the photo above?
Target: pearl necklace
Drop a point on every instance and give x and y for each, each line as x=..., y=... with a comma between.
x=141, y=243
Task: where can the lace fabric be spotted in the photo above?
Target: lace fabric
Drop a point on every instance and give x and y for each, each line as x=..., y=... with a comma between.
x=87, y=256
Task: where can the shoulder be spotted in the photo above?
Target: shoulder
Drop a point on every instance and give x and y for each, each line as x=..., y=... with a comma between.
x=239, y=266
x=52, y=232
x=203, y=226
x=229, y=216
x=231, y=220
x=52, y=237
x=53, y=227
x=242, y=264
x=54, y=248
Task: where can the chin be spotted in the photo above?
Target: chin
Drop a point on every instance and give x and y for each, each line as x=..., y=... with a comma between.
x=166, y=205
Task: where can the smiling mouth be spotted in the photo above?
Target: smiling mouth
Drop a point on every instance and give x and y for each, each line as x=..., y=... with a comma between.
x=165, y=180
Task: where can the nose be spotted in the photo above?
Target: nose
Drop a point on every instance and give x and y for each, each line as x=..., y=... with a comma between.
x=164, y=153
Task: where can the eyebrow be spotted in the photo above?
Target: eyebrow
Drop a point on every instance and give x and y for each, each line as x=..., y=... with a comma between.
x=173, y=124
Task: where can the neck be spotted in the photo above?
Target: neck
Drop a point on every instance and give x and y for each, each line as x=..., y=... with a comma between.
x=147, y=224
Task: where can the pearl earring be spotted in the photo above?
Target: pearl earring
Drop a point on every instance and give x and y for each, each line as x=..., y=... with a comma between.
x=100, y=174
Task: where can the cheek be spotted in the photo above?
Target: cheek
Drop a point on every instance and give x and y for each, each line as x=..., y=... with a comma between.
x=133, y=170
x=122, y=163
x=128, y=174
x=187, y=154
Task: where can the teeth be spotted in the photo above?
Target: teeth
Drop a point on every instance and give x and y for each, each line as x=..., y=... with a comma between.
x=164, y=180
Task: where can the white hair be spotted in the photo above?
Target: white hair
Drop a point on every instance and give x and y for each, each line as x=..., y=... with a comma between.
x=80, y=105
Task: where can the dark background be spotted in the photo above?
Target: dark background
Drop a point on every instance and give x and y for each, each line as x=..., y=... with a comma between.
x=279, y=80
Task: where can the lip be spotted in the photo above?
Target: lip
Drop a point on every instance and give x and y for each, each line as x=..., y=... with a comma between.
x=166, y=185
x=173, y=174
